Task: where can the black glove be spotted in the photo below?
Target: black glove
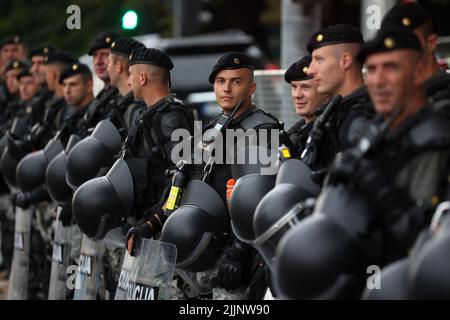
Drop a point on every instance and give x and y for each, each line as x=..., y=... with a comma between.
x=234, y=266
x=22, y=200
x=25, y=199
x=142, y=230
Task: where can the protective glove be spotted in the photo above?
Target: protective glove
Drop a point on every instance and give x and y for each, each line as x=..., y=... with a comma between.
x=234, y=266
x=134, y=234
x=22, y=200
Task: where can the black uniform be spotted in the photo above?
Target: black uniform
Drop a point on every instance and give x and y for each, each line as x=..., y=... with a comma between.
x=298, y=135
x=149, y=150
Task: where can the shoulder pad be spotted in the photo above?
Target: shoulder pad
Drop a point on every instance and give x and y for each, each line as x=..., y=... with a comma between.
x=433, y=132
x=438, y=82
x=259, y=118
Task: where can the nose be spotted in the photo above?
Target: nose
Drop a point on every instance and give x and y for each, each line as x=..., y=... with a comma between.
x=129, y=81
x=312, y=70
x=227, y=86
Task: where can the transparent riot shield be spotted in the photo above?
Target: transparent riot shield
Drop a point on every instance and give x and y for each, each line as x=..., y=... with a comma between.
x=122, y=286
x=90, y=268
x=60, y=260
x=113, y=262
x=18, y=281
x=152, y=271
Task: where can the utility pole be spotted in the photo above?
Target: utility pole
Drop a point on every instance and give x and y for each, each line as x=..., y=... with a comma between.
x=185, y=17
x=299, y=20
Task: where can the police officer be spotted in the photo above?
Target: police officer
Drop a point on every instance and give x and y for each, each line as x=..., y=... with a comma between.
x=411, y=15
x=100, y=50
x=77, y=84
x=149, y=80
x=9, y=50
x=148, y=146
x=11, y=106
x=336, y=71
x=125, y=109
x=306, y=100
x=399, y=171
x=28, y=86
x=37, y=104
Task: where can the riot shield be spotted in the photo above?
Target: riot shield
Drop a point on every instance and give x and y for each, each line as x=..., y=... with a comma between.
x=152, y=271
x=90, y=266
x=113, y=262
x=18, y=281
x=60, y=260
x=121, y=292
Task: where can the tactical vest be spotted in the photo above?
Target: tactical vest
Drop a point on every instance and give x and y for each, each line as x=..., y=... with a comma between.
x=417, y=155
x=298, y=134
x=253, y=118
x=437, y=89
x=147, y=151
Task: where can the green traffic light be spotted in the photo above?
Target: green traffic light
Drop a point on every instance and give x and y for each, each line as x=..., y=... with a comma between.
x=129, y=20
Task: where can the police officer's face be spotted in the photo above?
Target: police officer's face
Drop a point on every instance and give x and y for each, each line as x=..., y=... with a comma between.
x=75, y=90
x=100, y=57
x=305, y=97
x=230, y=86
x=326, y=70
x=9, y=52
x=28, y=88
x=392, y=78
x=134, y=82
x=38, y=69
x=11, y=80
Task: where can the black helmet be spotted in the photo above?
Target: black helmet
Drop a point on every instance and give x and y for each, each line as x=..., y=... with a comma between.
x=247, y=193
x=277, y=211
x=55, y=175
x=296, y=172
x=30, y=172
x=12, y=154
x=102, y=204
x=429, y=271
x=393, y=282
x=335, y=240
x=87, y=157
x=197, y=228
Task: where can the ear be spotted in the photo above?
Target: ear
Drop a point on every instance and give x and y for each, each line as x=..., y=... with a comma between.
x=419, y=71
x=119, y=67
x=252, y=89
x=90, y=86
x=143, y=79
x=346, y=60
x=432, y=42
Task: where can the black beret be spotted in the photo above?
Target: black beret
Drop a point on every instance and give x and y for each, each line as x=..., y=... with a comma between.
x=103, y=40
x=151, y=56
x=16, y=64
x=409, y=15
x=390, y=39
x=125, y=46
x=24, y=73
x=339, y=33
x=10, y=40
x=59, y=56
x=298, y=70
x=230, y=61
x=74, y=69
x=42, y=51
